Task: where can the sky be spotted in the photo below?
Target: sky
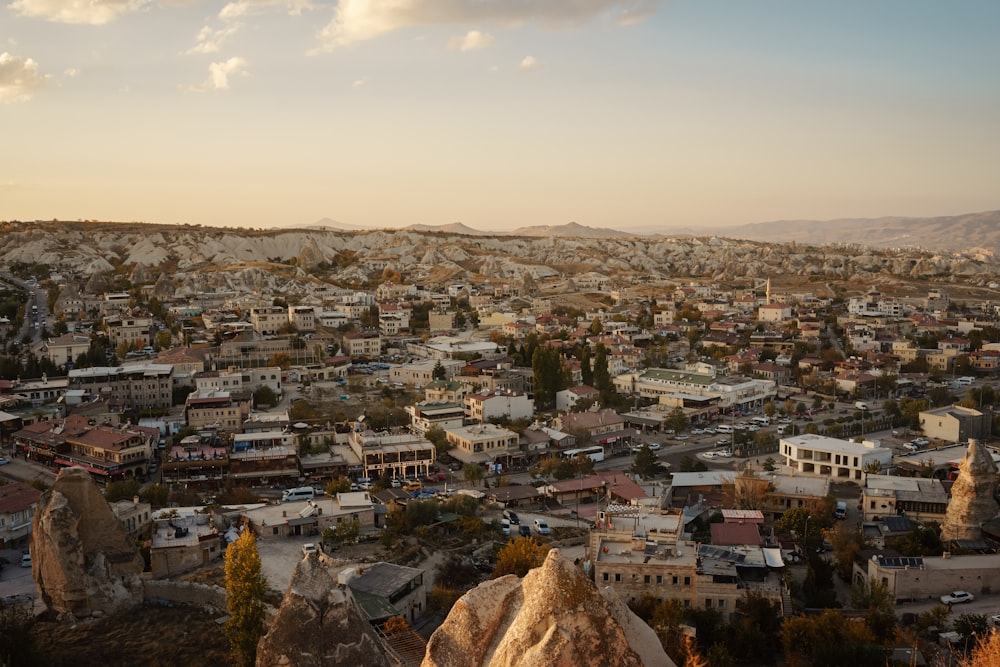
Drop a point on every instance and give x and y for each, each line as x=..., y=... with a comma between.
x=629, y=114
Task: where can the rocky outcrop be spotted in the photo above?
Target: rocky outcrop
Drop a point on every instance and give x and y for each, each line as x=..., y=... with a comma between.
x=83, y=562
x=552, y=617
x=206, y=259
x=319, y=624
x=972, y=501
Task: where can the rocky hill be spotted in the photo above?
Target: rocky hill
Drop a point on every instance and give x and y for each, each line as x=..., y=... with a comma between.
x=184, y=260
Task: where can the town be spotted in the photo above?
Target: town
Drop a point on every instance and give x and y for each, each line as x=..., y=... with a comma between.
x=714, y=450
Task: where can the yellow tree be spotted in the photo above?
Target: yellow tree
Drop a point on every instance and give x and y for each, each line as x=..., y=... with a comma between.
x=519, y=556
x=245, y=599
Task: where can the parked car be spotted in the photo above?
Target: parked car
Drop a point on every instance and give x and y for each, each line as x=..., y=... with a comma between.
x=911, y=446
x=541, y=527
x=655, y=446
x=511, y=516
x=309, y=548
x=524, y=531
x=725, y=453
x=26, y=559
x=682, y=436
x=955, y=597
x=4, y=461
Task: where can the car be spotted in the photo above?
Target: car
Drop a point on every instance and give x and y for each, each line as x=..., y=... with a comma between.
x=26, y=559
x=524, y=531
x=682, y=436
x=698, y=431
x=995, y=620
x=309, y=548
x=4, y=461
x=511, y=516
x=654, y=446
x=723, y=441
x=541, y=527
x=911, y=446
x=956, y=597
x=708, y=455
x=710, y=431
x=725, y=453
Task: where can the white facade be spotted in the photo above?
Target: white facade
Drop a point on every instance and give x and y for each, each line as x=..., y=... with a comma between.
x=837, y=459
x=513, y=405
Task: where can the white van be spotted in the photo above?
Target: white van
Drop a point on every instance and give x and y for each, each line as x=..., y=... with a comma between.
x=724, y=428
x=505, y=526
x=301, y=493
x=761, y=421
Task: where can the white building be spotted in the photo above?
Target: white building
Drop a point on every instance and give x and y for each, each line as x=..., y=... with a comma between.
x=497, y=404
x=831, y=457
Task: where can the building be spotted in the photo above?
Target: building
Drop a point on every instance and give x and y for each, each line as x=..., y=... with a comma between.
x=398, y=456
x=303, y=318
x=385, y=590
x=566, y=399
x=132, y=514
x=135, y=333
x=956, y=423
x=837, y=459
x=183, y=543
x=918, y=498
x=928, y=578
x=132, y=386
x=268, y=320
x=17, y=511
x=701, y=385
x=443, y=414
x=235, y=379
x=499, y=404
x=484, y=443
x=362, y=344
x=220, y=410
x=66, y=348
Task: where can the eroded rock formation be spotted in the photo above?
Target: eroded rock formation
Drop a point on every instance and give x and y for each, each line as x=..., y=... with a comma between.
x=319, y=624
x=552, y=617
x=83, y=562
x=971, y=496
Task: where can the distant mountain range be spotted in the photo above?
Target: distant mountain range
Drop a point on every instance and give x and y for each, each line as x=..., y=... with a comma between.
x=939, y=234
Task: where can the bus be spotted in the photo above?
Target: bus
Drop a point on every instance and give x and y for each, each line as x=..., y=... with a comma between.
x=595, y=454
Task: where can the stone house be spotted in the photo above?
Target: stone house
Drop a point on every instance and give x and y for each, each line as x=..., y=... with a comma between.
x=17, y=511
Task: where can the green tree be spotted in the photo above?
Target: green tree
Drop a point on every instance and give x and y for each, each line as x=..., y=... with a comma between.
x=519, y=556
x=265, y=396
x=473, y=473
x=438, y=438
x=596, y=327
x=645, y=464
x=875, y=597
x=439, y=373
x=157, y=495
x=347, y=531
x=549, y=376
x=676, y=420
x=602, y=377
x=124, y=490
x=339, y=484
x=245, y=587
x=586, y=372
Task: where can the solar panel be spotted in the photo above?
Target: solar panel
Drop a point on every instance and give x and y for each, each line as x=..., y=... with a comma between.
x=900, y=561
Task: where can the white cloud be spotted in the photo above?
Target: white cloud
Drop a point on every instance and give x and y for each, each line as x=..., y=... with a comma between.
x=19, y=78
x=219, y=73
x=239, y=8
x=359, y=20
x=358, y=83
x=71, y=72
x=210, y=39
x=93, y=12
x=472, y=40
x=529, y=64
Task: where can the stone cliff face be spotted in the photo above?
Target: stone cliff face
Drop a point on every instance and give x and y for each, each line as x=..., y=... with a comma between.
x=554, y=617
x=319, y=624
x=971, y=496
x=83, y=562
x=205, y=259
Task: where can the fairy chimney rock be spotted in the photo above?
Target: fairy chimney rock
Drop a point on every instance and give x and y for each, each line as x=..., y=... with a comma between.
x=320, y=624
x=972, y=501
x=553, y=616
x=83, y=563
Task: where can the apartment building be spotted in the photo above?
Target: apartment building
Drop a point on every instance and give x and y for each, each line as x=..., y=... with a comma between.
x=497, y=405
x=837, y=459
x=66, y=348
x=362, y=344
x=268, y=320
x=133, y=332
x=220, y=410
x=443, y=414
x=131, y=386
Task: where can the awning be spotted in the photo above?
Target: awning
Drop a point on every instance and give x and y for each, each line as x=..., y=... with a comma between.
x=772, y=556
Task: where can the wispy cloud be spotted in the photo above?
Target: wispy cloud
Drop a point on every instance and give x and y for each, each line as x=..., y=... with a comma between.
x=220, y=73
x=359, y=20
x=470, y=41
x=358, y=83
x=19, y=78
x=210, y=40
x=93, y=12
x=529, y=64
x=239, y=8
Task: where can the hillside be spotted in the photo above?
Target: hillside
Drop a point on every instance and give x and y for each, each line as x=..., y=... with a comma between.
x=184, y=260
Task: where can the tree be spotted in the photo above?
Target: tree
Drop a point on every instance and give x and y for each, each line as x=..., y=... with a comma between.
x=971, y=627
x=596, y=327
x=519, y=556
x=646, y=465
x=602, y=376
x=339, y=484
x=437, y=436
x=829, y=640
x=550, y=376
x=157, y=495
x=676, y=420
x=986, y=652
x=473, y=473
x=439, y=373
x=245, y=588
x=586, y=371
x=280, y=359
x=124, y=490
x=347, y=531
x=265, y=396
x=875, y=597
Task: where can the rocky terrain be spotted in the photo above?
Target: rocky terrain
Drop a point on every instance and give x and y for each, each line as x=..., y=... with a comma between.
x=554, y=616
x=184, y=260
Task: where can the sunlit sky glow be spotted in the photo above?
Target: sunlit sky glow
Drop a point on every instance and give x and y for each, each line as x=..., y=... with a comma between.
x=497, y=113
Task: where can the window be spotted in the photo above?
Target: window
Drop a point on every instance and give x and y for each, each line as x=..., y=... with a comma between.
x=645, y=579
x=708, y=603
x=605, y=576
x=687, y=581
x=674, y=582
x=722, y=604
x=659, y=579
x=618, y=576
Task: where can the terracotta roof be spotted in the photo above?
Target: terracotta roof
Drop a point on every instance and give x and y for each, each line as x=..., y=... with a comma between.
x=17, y=497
